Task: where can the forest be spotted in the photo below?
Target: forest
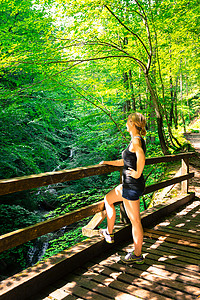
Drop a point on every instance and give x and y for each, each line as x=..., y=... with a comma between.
x=71, y=73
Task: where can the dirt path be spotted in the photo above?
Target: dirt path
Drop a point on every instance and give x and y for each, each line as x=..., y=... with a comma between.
x=194, y=139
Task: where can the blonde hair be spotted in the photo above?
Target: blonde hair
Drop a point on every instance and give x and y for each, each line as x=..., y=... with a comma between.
x=139, y=121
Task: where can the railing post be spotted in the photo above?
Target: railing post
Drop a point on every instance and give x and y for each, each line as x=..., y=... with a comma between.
x=184, y=171
x=123, y=216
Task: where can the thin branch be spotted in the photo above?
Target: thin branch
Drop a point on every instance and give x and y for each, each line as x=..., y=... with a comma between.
x=102, y=109
x=121, y=50
x=128, y=29
x=41, y=81
x=78, y=61
x=148, y=33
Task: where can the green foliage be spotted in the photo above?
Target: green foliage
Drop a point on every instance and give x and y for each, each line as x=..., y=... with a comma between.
x=68, y=239
x=71, y=202
x=33, y=137
x=13, y=218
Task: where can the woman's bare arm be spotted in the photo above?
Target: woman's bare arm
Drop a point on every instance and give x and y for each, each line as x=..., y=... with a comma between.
x=118, y=163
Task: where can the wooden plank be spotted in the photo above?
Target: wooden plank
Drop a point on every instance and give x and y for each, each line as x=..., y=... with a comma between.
x=82, y=292
x=154, y=214
x=156, y=259
x=172, y=235
x=156, y=266
x=170, y=260
x=113, y=267
x=186, y=223
x=173, y=272
x=157, y=186
x=159, y=263
x=74, y=281
x=89, y=229
x=23, y=183
x=185, y=170
x=170, y=257
x=153, y=283
x=172, y=247
x=169, y=158
x=165, y=237
x=98, y=277
x=174, y=254
x=181, y=231
x=128, y=284
x=96, y=283
x=50, y=297
x=57, y=295
x=169, y=279
x=24, y=235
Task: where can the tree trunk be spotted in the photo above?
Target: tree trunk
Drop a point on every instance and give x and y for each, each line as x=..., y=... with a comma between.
x=152, y=123
x=176, y=114
x=127, y=104
x=171, y=115
x=171, y=136
x=139, y=96
x=188, y=103
x=159, y=117
x=132, y=91
x=181, y=91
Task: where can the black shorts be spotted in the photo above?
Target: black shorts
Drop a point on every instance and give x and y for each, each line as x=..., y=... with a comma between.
x=131, y=194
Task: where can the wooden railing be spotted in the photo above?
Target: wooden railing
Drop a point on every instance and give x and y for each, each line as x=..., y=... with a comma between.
x=12, y=185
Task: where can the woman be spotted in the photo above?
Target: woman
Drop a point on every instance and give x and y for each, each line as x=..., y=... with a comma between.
x=132, y=187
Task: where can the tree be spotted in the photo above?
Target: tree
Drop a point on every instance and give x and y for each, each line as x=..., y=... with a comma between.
x=114, y=49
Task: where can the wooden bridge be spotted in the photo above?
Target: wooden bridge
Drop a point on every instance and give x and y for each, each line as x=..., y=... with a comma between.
x=92, y=269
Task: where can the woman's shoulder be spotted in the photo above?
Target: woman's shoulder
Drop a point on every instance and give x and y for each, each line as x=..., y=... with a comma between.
x=137, y=140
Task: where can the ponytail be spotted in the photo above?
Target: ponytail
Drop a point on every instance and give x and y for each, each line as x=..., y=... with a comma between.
x=139, y=121
x=143, y=131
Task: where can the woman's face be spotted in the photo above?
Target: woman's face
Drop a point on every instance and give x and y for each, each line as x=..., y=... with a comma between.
x=129, y=125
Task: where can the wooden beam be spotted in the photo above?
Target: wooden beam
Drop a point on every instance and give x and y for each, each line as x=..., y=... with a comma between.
x=163, y=184
x=89, y=229
x=169, y=158
x=185, y=170
x=21, y=236
x=24, y=235
x=12, y=185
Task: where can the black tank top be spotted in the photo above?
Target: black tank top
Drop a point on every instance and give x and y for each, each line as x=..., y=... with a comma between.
x=130, y=161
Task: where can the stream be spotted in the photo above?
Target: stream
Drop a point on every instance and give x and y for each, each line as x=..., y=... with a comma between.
x=41, y=244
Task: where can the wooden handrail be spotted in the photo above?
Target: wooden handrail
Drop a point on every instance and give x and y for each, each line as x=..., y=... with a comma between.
x=12, y=185
x=24, y=235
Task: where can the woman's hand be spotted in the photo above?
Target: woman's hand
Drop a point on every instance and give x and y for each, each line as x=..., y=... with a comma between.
x=132, y=173
x=103, y=162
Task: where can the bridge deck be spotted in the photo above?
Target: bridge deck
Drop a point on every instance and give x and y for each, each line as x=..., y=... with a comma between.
x=171, y=268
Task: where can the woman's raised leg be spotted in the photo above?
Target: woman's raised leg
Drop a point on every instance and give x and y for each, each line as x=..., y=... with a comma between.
x=113, y=196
